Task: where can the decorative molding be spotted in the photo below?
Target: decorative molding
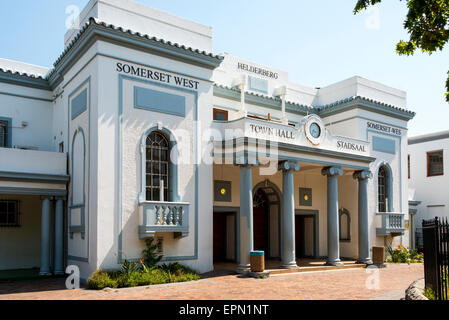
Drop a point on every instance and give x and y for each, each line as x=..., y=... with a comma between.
x=332, y=171
x=384, y=145
x=159, y=101
x=362, y=175
x=33, y=177
x=289, y=165
x=31, y=191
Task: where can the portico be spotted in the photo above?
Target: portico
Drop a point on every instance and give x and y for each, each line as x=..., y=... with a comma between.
x=34, y=203
x=332, y=176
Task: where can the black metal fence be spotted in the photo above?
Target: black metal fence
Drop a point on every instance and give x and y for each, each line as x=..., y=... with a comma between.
x=436, y=256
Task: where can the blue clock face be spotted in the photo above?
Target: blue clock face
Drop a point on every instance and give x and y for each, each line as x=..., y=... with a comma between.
x=315, y=130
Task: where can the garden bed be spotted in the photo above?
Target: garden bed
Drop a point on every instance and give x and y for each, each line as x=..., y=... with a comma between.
x=143, y=273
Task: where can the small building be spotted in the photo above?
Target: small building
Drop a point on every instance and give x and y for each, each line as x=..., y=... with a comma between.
x=428, y=179
x=139, y=132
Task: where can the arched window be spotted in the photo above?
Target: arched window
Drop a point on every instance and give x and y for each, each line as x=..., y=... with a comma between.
x=345, y=225
x=385, y=188
x=382, y=189
x=157, y=167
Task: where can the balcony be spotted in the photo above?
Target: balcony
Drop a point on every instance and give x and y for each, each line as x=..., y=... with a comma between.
x=33, y=162
x=160, y=217
x=391, y=223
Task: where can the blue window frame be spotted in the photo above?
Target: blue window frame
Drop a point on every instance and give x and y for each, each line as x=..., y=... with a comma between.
x=5, y=132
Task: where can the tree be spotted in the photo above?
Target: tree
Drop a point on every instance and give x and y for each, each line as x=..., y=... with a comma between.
x=427, y=23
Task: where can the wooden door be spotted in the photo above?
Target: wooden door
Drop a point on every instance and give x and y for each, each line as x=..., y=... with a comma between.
x=299, y=236
x=219, y=237
x=261, y=229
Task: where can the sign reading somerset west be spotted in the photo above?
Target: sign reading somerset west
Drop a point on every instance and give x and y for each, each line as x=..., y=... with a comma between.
x=258, y=71
x=157, y=76
x=384, y=128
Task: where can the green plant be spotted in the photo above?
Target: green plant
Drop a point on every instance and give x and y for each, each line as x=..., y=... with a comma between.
x=129, y=267
x=429, y=294
x=404, y=255
x=150, y=256
x=100, y=280
x=131, y=275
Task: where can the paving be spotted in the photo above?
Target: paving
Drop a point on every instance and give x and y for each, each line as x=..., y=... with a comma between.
x=387, y=283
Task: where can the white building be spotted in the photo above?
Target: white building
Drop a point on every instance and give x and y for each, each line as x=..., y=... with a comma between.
x=248, y=159
x=428, y=179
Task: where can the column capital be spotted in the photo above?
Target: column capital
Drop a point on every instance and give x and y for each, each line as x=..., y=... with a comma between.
x=289, y=165
x=245, y=161
x=362, y=175
x=332, y=171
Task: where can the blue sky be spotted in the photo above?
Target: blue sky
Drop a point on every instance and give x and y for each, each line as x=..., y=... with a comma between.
x=318, y=42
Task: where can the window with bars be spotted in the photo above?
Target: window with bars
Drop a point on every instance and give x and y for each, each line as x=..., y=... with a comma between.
x=9, y=213
x=435, y=163
x=382, y=189
x=3, y=134
x=157, y=167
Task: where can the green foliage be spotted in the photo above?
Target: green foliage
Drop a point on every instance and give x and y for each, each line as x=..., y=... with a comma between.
x=129, y=267
x=427, y=23
x=143, y=276
x=100, y=280
x=429, y=294
x=404, y=255
x=150, y=256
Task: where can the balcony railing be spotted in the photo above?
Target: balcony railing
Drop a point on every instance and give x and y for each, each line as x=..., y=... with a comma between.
x=159, y=217
x=392, y=223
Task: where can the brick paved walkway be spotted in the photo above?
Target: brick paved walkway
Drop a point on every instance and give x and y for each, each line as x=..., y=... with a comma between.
x=328, y=285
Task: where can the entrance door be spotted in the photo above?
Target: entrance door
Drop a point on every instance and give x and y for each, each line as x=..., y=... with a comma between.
x=260, y=220
x=304, y=236
x=299, y=236
x=219, y=237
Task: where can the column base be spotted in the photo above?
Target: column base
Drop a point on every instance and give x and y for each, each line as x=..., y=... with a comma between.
x=364, y=261
x=59, y=273
x=336, y=263
x=290, y=266
x=244, y=268
x=45, y=273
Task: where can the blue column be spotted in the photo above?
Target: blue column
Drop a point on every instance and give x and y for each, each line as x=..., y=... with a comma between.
x=333, y=238
x=45, y=237
x=288, y=214
x=364, y=245
x=246, y=217
x=59, y=238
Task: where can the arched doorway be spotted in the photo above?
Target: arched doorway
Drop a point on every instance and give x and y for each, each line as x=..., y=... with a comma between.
x=261, y=221
x=266, y=219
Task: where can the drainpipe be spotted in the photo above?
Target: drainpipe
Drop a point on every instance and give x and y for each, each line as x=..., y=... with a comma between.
x=240, y=83
x=281, y=92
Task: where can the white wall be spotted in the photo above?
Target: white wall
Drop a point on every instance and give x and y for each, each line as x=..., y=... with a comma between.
x=140, y=18
x=32, y=106
x=431, y=191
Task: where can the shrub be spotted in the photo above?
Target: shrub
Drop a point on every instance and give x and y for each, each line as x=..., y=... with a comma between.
x=405, y=255
x=150, y=256
x=130, y=276
x=100, y=280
